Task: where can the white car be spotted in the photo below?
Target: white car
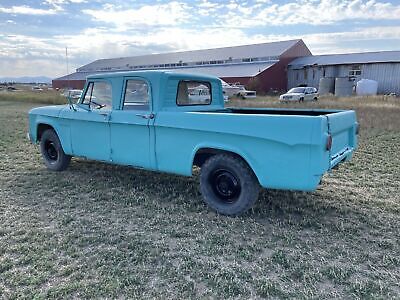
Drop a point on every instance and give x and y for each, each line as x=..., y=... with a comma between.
x=200, y=94
x=300, y=94
x=37, y=89
x=246, y=94
x=237, y=89
x=229, y=90
x=73, y=94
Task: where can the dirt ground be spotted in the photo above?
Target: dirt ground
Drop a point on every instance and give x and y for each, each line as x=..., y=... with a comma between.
x=100, y=230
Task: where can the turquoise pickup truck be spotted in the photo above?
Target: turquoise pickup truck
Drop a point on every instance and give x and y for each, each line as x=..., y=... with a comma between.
x=171, y=122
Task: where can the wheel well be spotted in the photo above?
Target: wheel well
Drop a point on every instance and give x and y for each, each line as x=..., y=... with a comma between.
x=205, y=153
x=42, y=128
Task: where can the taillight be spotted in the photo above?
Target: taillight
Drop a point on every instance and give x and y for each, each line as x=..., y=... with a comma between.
x=329, y=143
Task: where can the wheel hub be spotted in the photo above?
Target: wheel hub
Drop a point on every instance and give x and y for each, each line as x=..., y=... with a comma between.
x=51, y=151
x=226, y=185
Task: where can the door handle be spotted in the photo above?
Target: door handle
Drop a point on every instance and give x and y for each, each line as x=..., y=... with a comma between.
x=146, y=116
x=106, y=115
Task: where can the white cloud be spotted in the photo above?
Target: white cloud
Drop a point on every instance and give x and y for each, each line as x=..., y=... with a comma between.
x=337, y=42
x=172, y=13
x=41, y=56
x=26, y=10
x=310, y=12
x=175, y=26
x=98, y=43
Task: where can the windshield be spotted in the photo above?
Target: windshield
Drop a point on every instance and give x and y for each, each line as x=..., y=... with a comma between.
x=297, y=90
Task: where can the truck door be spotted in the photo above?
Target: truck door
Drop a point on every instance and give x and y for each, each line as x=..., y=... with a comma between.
x=130, y=125
x=89, y=122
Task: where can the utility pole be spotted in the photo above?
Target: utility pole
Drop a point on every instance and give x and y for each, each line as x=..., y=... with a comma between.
x=66, y=56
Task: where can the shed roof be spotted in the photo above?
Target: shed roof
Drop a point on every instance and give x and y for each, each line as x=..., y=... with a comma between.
x=346, y=59
x=274, y=49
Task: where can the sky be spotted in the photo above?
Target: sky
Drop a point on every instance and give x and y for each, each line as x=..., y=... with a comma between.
x=34, y=34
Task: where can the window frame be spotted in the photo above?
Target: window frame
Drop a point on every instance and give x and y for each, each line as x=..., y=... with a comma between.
x=92, y=82
x=88, y=85
x=149, y=93
x=355, y=70
x=206, y=83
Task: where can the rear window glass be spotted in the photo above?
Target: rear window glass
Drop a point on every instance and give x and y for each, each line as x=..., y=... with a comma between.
x=193, y=93
x=137, y=95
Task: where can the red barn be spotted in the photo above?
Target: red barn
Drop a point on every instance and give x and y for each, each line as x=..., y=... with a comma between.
x=260, y=66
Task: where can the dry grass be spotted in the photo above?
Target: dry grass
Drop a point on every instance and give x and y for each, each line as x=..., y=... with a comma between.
x=99, y=230
x=42, y=97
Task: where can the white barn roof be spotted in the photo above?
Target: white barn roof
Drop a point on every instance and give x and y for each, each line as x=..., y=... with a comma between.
x=258, y=52
x=237, y=70
x=347, y=59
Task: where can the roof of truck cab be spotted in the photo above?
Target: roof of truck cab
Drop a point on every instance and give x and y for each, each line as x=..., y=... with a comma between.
x=150, y=73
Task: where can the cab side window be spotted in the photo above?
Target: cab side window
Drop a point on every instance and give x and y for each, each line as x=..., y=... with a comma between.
x=137, y=96
x=98, y=95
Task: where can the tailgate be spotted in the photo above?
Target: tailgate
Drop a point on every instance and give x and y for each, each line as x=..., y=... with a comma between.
x=343, y=128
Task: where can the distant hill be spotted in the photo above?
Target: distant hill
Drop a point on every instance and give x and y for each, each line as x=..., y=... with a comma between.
x=26, y=79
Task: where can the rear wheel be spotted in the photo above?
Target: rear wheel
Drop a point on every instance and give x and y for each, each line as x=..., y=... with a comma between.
x=53, y=155
x=228, y=185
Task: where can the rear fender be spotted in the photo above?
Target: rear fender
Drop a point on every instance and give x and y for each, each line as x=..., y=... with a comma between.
x=226, y=148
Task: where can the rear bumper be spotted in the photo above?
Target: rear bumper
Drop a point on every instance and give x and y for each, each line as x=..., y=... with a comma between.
x=341, y=156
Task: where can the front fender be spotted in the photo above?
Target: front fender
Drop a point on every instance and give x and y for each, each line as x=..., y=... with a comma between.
x=62, y=130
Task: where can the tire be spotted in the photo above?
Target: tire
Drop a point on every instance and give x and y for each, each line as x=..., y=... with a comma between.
x=315, y=99
x=301, y=100
x=228, y=185
x=53, y=154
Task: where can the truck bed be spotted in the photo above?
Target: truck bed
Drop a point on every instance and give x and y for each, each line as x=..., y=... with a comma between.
x=276, y=111
x=287, y=148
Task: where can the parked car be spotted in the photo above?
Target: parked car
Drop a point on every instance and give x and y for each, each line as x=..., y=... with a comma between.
x=246, y=94
x=167, y=128
x=37, y=89
x=237, y=90
x=73, y=94
x=229, y=90
x=300, y=94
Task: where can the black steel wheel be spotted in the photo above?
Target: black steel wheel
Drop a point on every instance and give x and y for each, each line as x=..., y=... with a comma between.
x=225, y=184
x=52, y=152
x=228, y=185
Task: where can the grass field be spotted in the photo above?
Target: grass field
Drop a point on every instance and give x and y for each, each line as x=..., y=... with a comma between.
x=99, y=230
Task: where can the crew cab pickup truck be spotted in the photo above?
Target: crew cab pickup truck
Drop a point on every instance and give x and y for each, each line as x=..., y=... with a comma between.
x=158, y=120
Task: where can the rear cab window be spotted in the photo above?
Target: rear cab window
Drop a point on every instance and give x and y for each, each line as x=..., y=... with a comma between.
x=192, y=92
x=98, y=95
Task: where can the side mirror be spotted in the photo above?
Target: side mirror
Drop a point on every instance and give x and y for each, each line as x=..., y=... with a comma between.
x=71, y=104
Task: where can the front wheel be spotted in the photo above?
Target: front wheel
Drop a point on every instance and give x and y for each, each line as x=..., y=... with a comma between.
x=228, y=185
x=53, y=154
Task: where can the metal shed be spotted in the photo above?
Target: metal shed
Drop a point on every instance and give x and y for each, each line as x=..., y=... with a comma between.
x=383, y=67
